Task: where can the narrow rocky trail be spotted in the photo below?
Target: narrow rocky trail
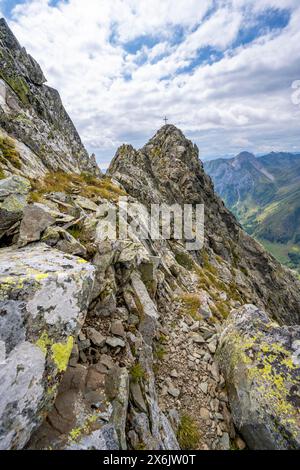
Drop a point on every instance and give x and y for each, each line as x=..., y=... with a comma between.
x=189, y=381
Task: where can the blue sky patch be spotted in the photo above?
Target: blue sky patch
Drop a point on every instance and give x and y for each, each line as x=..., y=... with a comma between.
x=206, y=55
x=268, y=21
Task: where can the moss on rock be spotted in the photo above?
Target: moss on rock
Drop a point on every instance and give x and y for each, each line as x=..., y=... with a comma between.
x=9, y=152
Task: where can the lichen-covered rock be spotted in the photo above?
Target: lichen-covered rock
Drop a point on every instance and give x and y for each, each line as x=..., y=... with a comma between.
x=14, y=185
x=104, y=438
x=44, y=296
x=260, y=362
x=13, y=199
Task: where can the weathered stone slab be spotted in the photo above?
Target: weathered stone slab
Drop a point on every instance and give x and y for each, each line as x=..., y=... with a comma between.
x=148, y=313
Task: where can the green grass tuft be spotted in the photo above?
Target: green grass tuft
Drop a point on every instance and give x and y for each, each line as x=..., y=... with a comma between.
x=190, y=305
x=185, y=261
x=75, y=231
x=188, y=434
x=159, y=351
x=137, y=372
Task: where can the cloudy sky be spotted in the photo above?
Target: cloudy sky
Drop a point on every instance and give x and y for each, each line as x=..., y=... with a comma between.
x=221, y=70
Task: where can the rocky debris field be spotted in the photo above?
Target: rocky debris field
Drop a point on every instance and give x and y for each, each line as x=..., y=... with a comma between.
x=189, y=380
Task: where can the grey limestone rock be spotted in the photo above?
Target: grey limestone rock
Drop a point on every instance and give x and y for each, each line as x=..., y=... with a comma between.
x=36, y=219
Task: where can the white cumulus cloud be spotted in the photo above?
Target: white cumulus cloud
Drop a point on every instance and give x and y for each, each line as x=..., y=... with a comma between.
x=121, y=65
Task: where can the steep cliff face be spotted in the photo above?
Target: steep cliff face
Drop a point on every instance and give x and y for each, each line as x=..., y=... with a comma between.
x=45, y=138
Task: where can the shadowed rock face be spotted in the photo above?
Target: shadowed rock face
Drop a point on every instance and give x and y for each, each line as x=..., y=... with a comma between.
x=33, y=114
x=167, y=169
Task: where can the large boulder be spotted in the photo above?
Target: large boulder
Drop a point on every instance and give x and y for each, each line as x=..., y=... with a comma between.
x=44, y=295
x=260, y=362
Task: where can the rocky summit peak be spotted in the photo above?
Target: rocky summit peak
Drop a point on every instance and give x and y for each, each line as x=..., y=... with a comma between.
x=164, y=164
x=7, y=37
x=245, y=156
x=168, y=129
x=169, y=136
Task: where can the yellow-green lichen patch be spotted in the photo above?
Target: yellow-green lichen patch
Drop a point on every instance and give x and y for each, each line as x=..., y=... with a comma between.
x=76, y=433
x=275, y=381
x=10, y=283
x=44, y=342
x=270, y=373
x=17, y=282
x=61, y=353
x=35, y=274
x=41, y=276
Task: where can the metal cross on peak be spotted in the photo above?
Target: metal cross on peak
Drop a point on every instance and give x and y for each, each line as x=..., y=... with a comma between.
x=166, y=120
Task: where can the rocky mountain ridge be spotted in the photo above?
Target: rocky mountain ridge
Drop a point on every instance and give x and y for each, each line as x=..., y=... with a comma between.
x=32, y=113
x=263, y=193
x=98, y=334
x=168, y=170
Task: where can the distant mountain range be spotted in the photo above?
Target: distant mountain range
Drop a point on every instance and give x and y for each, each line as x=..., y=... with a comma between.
x=264, y=194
